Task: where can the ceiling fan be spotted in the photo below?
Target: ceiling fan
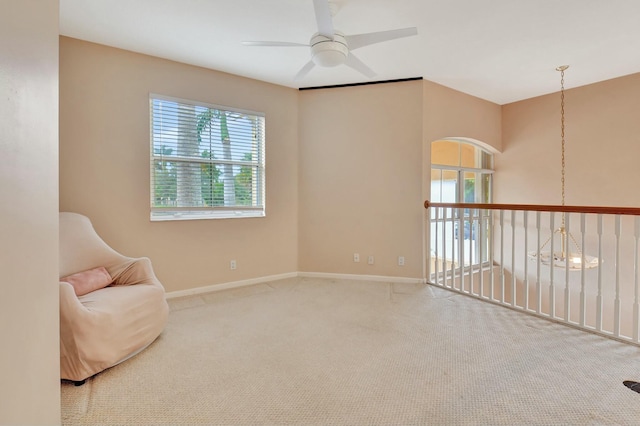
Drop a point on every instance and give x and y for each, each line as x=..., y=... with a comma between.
x=330, y=48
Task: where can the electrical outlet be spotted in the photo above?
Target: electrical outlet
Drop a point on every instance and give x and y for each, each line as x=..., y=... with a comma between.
x=370, y=260
x=232, y=265
x=356, y=257
x=400, y=260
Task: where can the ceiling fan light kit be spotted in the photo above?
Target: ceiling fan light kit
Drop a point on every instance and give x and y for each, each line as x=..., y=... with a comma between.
x=326, y=52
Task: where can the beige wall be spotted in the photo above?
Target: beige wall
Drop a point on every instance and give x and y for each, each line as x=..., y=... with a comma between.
x=345, y=167
x=364, y=170
x=452, y=114
x=449, y=113
x=602, y=147
x=29, y=358
x=360, y=179
x=104, y=165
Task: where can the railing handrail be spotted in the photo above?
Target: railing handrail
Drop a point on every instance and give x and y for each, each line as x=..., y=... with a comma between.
x=539, y=208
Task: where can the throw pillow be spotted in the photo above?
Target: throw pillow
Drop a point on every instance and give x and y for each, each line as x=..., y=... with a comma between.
x=87, y=281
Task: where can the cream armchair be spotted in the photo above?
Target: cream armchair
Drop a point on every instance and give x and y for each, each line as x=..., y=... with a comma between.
x=107, y=326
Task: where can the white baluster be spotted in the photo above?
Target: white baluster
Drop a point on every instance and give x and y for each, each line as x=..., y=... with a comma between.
x=636, y=301
x=525, y=218
x=501, y=256
x=538, y=263
x=513, y=258
x=437, y=241
x=429, y=222
x=599, y=297
x=453, y=251
x=583, y=294
x=552, y=289
x=481, y=251
x=472, y=249
x=567, y=220
x=616, y=318
x=461, y=222
x=444, y=247
x=491, y=255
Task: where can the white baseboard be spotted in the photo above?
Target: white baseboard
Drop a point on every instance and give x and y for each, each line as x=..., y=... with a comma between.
x=376, y=278
x=260, y=280
x=226, y=286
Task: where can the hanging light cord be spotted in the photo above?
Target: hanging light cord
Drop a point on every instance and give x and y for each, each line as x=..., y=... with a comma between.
x=562, y=227
x=561, y=69
x=566, y=237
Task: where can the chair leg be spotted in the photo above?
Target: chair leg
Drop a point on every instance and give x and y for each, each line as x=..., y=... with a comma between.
x=80, y=383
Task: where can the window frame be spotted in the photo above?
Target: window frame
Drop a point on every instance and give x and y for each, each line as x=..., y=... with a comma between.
x=258, y=189
x=471, y=218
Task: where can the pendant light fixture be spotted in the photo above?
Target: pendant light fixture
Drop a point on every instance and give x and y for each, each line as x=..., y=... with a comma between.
x=574, y=260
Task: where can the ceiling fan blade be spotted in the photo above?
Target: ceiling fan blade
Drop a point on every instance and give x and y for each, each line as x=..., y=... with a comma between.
x=273, y=44
x=304, y=71
x=355, y=63
x=323, y=18
x=360, y=40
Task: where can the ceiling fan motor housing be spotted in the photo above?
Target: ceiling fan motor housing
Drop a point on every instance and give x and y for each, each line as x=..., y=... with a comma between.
x=329, y=53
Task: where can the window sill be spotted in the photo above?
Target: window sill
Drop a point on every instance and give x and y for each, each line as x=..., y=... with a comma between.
x=186, y=215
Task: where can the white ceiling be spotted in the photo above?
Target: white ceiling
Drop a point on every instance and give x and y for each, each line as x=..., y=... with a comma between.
x=499, y=50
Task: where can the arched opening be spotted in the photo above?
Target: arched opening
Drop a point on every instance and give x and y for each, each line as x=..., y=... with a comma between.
x=461, y=172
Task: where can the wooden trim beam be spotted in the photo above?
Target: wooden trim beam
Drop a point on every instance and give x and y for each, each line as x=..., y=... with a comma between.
x=634, y=211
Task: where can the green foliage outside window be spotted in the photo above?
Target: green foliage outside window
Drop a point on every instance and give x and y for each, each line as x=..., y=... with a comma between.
x=166, y=182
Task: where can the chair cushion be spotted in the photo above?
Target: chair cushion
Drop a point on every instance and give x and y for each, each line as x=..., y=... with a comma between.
x=87, y=281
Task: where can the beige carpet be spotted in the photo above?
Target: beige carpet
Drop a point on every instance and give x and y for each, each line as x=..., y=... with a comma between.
x=338, y=352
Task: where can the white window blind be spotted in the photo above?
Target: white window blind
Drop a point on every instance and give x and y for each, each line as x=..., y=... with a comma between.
x=207, y=161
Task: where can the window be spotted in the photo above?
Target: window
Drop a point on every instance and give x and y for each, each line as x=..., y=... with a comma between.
x=207, y=161
x=460, y=173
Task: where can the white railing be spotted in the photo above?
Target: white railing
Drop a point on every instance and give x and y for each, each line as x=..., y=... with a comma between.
x=502, y=253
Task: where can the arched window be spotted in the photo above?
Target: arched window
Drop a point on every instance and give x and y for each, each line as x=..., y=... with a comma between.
x=461, y=172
